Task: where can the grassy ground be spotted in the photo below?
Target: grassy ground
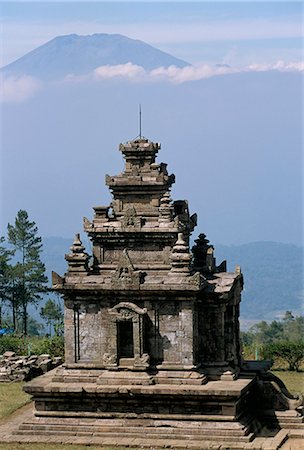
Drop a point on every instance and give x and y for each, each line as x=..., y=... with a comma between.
x=294, y=381
x=12, y=397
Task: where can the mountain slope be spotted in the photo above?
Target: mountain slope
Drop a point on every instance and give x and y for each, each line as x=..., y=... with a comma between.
x=79, y=55
x=273, y=276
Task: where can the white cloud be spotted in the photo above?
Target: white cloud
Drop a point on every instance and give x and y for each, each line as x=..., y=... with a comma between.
x=180, y=75
x=18, y=89
x=128, y=70
x=281, y=66
x=199, y=72
x=189, y=73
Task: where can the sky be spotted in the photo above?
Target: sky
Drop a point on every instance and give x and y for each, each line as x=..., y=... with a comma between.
x=230, y=125
x=210, y=32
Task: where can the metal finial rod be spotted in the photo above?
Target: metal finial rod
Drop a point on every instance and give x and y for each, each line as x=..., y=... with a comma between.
x=140, y=121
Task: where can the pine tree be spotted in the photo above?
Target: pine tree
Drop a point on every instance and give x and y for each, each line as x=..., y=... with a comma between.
x=51, y=313
x=29, y=272
x=5, y=256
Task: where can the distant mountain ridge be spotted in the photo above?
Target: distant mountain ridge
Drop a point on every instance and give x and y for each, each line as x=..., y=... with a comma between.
x=273, y=274
x=79, y=55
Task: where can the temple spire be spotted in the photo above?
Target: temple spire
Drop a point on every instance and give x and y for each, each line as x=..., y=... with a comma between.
x=139, y=121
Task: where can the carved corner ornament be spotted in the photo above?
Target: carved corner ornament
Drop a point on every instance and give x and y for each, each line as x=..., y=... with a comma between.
x=87, y=225
x=109, y=360
x=197, y=280
x=57, y=280
x=142, y=361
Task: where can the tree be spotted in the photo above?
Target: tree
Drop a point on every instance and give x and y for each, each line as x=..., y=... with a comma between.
x=51, y=313
x=282, y=340
x=13, y=292
x=5, y=255
x=29, y=272
x=266, y=333
x=291, y=352
x=293, y=326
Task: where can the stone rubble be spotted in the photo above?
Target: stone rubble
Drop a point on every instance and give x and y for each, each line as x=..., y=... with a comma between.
x=24, y=368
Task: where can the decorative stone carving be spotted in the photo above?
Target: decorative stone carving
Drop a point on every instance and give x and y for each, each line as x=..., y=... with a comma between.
x=130, y=220
x=165, y=210
x=197, y=280
x=87, y=225
x=125, y=274
x=142, y=361
x=126, y=310
x=56, y=279
x=109, y=360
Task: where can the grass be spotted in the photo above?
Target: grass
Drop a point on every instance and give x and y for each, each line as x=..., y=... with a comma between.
x=12, y=397
x=294, y=381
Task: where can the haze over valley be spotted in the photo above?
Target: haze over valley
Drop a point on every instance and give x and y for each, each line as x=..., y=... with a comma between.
x=220, y=88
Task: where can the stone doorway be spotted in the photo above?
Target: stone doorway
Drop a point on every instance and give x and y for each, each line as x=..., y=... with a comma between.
x=125, y=341
x=126, y=337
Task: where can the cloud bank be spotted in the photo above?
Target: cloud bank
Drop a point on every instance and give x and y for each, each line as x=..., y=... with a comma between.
x=15, y=89
x=19, y=89
x=182, y=75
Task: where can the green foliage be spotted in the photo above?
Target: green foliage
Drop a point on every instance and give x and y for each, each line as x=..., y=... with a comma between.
x=53, y=346
x=293, y=326
x=5, y=256
x=34, y=328
x=27, y=276
x=52, y=314
x=35, y=345
x=278, y=340
x=292, y=352
x=13, y=343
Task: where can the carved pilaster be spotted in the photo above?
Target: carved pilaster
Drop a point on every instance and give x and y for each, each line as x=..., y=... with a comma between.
x=165, y=210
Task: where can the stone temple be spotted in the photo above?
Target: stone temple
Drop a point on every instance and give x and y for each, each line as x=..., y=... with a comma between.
x=152, y=345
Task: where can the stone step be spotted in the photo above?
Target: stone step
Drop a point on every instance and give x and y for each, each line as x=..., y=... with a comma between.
x=131, y=430
x=285, y=421
x=138, y=423
x=211, y=436
x=292, y=426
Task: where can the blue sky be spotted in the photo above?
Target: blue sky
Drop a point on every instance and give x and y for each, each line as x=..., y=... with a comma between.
x=233, y=135
x=199, y=32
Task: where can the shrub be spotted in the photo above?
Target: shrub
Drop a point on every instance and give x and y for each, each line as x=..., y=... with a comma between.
x=53, y=346
x=13, y=343
x=32, y=345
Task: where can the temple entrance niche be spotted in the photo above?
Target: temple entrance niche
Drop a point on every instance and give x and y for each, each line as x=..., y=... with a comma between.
x=127, y=337
x=125, y=341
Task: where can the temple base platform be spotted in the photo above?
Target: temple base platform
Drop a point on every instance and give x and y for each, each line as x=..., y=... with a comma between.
x=189, y=412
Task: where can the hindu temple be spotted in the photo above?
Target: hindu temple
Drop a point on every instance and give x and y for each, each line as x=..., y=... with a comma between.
x=152, y=337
